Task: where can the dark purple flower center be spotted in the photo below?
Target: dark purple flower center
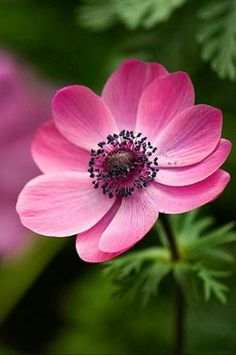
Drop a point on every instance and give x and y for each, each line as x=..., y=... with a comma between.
x=122, y=164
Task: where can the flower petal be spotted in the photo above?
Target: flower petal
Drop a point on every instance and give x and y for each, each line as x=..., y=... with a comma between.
x=24, y=100
x=61, y=204
x=87, y=242
x=17, y=166
x=52, y=152
x=123, y=89
x=161, y=101
x=172, y=199
x=14, y=237
x=131, y=223
x=82, y=117
x=197, y=172
x=190, y=137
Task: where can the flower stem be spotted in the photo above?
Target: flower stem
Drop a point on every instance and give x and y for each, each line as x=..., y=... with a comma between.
x=179, y=324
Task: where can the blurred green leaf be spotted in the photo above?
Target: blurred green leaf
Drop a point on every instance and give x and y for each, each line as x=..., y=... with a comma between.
x=133, y=13
x=195, y=276
x=217, y=34
x=184, y=275
x=196, y=236
x=211, y=283
x=212, y=239
x=147, y=13
x=97, y=15
x=215, y=238
x=139, y=273
x=202, y=257
x=219, y=255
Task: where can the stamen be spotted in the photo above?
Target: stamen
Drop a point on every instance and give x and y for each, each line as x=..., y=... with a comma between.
x=122, y=164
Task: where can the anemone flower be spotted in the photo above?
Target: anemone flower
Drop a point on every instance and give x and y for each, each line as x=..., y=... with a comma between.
x=111, y=164
x=24, y=106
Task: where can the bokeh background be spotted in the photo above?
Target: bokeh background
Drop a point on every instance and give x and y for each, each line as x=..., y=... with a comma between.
x=50, y=301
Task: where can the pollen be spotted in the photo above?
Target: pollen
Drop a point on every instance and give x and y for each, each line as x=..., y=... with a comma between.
x=122, y=164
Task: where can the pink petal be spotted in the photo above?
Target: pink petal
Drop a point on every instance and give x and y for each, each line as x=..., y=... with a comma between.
x=161, y=101
x=87, y=242
x=14, y=237
x=171, y=199
x=131, y=223
x=82, y=117
x=190, y=137
x=17, y=165
x=61, y=204
x=24, y=100
x=52, y=152
x=197, y=172
x=123, y=89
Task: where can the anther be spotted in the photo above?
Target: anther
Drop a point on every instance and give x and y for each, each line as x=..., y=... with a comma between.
x=122, y=164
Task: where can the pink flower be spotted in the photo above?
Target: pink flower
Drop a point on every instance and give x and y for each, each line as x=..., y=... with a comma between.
x=112, y=163
x=23, y=107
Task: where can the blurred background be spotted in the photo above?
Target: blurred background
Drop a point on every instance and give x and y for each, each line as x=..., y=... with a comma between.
x=50, y=301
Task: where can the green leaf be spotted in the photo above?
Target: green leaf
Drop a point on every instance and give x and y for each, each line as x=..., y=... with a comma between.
x=218, y=255
x=147, y=13
x=213, y=239
x=139, y=274
x=152, y=278
x=191, y=233
x=184, y=275
x=211, y=284
x=189, y=275
x=200, y=253
x=196, y=239
x=97, y=15
x=133, y=13
x=132, y=262
x=217, y=34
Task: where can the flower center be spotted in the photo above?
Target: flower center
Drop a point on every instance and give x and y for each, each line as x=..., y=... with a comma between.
x=122, y=164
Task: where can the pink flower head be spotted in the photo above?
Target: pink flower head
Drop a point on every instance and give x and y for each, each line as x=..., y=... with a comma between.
x=112, y=163
x=23, y=108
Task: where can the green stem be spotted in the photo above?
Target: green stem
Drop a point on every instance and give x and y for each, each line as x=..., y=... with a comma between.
x=171, y=238
x=179, y=324
x=180, y=309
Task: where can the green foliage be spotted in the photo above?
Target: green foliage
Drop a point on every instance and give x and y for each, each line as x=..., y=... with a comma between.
x=211, y=283
x=216, y=31
x=200, y=249
x=139, y=273
x=217, y=34
x=88, y=311
x=196, y=277
x=215, y=238
x=99, y=15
